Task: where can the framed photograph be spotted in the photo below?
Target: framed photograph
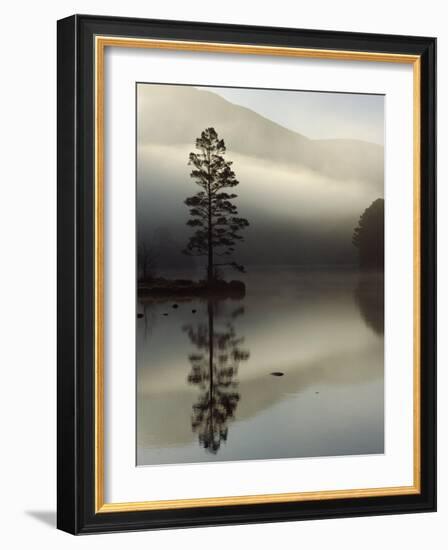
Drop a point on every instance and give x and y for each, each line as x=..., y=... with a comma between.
x=246, y=274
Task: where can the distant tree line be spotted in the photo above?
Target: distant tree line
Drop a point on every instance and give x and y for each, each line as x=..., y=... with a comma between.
x=368, y=236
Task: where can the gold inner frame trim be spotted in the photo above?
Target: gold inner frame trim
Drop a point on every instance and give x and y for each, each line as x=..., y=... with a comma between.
x=101, y=42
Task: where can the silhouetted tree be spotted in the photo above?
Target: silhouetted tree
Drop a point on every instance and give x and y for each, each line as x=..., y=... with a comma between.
x=213, y=370
x=212, y=212
x=368, y=236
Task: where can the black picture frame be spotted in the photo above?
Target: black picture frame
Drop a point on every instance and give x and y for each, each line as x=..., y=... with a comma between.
x=76, y=286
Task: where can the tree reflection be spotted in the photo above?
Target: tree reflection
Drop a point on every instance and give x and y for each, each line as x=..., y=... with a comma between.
x=146, y=316
x=214, y=369
x=369, y=297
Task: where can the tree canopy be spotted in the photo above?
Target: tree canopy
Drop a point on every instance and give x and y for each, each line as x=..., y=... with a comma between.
x=212, y=212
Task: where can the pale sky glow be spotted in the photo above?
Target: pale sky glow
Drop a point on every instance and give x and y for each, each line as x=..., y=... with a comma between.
x=317, y=115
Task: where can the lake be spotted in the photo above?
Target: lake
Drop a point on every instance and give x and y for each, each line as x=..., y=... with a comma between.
x=294, y=369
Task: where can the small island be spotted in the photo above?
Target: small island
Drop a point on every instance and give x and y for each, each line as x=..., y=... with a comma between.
x=160, y=287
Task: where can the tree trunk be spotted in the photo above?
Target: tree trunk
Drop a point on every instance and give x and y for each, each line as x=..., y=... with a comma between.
x=210, y=274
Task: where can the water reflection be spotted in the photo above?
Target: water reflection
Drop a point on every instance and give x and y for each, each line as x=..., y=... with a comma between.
x=202, y=397
x=147, y=315
x=369, y=297
x=214, y=369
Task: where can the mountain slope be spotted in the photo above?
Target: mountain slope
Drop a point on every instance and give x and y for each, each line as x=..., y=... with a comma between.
x=177, y=114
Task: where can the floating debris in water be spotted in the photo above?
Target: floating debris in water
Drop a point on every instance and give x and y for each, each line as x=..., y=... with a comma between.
x=316, y=392
x=277, y=373
x=165, y=314
x=193, y=311
x=139, y=315
x=175, y=306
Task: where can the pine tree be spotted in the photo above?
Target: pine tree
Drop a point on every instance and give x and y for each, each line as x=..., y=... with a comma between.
x=212, y=212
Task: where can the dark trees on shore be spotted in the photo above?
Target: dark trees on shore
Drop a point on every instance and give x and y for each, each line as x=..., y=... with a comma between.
x=368, y=236
x=212, y=212
x=146, y=261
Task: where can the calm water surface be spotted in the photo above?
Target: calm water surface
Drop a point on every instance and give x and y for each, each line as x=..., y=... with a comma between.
x=294, y=369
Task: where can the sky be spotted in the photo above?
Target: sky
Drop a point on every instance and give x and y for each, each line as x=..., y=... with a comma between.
x=317, y=115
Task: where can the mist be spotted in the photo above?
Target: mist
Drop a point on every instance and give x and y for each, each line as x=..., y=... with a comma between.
x=302, y=197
